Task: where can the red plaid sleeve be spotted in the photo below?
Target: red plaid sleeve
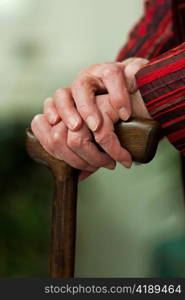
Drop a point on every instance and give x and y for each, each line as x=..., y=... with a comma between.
x=153, y=34
x=162, y=81
x=162, y=86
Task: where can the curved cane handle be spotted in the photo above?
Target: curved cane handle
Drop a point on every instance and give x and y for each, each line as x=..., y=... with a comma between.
x=139, y=136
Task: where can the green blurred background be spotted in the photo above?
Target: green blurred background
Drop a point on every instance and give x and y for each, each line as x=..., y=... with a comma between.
x=130, y=223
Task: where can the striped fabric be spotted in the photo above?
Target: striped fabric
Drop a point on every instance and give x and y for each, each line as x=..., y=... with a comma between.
x=153, y=34
x=162, y=81
x=162, y=85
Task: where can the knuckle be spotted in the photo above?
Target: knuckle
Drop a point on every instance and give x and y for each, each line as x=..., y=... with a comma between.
x=103, y=139
x=61, y=93
x=83, y=109
x=81, y=81
x=111, y=70
x=58, y=93
x=85, y=143
x=37, y=119
x=118, y=102
x=75, y=142
x=55, y=138
x=47, y=101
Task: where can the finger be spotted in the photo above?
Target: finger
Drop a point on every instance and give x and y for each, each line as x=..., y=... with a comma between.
x=130, y=71
x=53, y=139
x=64, y=104
x=81, y=143
x=105, y=107
x=41, y=129
x=83, y=91
x=62, y=151
x=108, y=140
x=113, y=78
x=50, y=111
x=110, y=118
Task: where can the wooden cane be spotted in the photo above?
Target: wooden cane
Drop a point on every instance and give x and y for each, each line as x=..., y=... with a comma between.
x=139, y=136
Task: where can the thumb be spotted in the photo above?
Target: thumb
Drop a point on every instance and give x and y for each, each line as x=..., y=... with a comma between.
x=130, y=71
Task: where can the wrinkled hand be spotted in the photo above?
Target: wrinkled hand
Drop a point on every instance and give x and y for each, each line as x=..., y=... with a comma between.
x=63, y=129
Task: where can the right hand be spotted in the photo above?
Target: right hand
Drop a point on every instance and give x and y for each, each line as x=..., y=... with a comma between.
x=76, y=146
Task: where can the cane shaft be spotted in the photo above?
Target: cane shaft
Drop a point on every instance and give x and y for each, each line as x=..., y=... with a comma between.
x=139, y=136
x=63, y=230
x=63, y=227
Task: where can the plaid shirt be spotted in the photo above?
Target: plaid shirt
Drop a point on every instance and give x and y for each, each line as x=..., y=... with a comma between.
x=159, y=36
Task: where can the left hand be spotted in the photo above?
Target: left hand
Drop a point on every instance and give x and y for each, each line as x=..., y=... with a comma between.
x=61, y=108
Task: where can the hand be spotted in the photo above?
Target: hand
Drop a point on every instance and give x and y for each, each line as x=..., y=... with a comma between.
x=61, y=106
x=60, y=142
x=120, y=84
x=116, y=79
x=75, y=147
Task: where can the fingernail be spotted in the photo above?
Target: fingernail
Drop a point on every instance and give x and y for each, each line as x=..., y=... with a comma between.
x=127, y=164
x=110, y=166
x=123, y=114
x=92, y=123
x=73, y=123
